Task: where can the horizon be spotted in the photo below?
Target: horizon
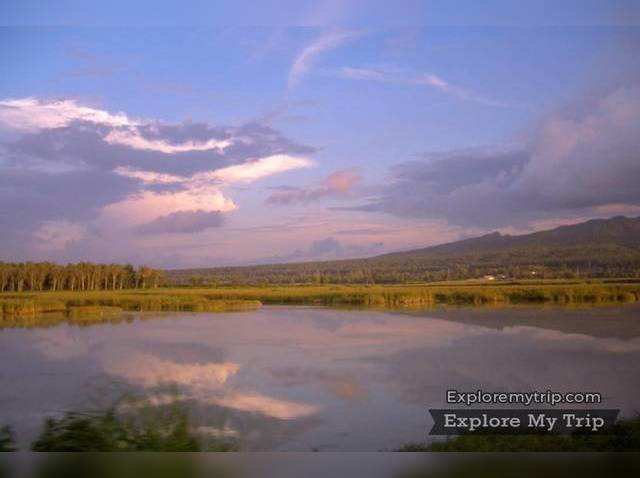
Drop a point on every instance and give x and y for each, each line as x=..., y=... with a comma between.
x=348, y=137
x=416, y=249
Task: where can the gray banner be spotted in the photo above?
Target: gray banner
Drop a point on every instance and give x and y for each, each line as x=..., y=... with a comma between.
x=521, y=421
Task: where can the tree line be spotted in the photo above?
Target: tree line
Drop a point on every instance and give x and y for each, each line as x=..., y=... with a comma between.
x=39, y=276
x=515, y=264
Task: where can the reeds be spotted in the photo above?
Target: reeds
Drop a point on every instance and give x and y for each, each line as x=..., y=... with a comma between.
x=103, y=305
x=429, y=295
x=84, y=308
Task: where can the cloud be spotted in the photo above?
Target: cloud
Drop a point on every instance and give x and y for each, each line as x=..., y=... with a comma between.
x=257, y=169
x=148, y=177
x=404, y=77
x=31, y=197
x=130, y=137
x=269, y=406
x=31, y=114
x=572, y=163
x=181, y=222
x=329, y=248
x=304, y=60
x=337, y=185
x=326, y=246
x=111, y=176
x=151, y=371
x=55, y=235
x=146, y=206
x=208, y=383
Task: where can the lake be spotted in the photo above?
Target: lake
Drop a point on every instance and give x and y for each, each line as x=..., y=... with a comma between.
x=310, y=378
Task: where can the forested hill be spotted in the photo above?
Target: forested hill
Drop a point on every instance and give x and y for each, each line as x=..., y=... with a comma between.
x=596, y=248
x=619, y=231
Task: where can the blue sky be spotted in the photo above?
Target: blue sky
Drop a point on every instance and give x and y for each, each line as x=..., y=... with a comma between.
x=344, y=132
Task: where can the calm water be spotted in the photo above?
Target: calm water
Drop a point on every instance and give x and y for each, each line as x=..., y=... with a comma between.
x=303, y=378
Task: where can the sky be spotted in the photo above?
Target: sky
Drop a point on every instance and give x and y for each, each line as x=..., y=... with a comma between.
x=223, y=134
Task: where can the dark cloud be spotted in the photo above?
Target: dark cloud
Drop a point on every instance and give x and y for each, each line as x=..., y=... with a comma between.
x=29, y=197
x=183, y=222
x=572, y=163
x=84, y=144
x=326, y=246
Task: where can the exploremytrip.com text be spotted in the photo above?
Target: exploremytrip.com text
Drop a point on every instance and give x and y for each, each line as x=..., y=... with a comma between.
x=548, y=397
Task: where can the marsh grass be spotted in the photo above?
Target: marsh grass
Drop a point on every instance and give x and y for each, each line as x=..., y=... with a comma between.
x=431, y=295
x=84, y=308
x=102, y=306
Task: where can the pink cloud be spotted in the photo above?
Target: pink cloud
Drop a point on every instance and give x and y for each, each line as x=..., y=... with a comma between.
x=336, y=185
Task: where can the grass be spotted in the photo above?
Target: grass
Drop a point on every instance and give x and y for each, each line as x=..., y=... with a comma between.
x=83, y=308
x=98, y=306
x=393, y=296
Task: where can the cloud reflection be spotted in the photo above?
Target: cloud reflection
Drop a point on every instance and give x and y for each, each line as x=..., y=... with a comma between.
x=272, y=407
x=149, y=371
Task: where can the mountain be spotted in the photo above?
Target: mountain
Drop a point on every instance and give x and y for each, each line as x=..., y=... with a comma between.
x=595, y=248
x=620, y=231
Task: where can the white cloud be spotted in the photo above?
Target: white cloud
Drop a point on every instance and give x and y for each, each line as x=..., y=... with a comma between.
x=130, y=137
x=146, y=206
x=243, y=173
x=198, y=193
x=254, y=170
x=304, y=60
x=31, y=114
x=404, y=77
x=148, y=177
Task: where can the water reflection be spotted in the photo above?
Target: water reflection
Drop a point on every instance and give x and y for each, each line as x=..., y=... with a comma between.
x=311, y=378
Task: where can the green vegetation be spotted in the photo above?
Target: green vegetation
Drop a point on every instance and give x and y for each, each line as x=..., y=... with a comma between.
x=144, y=427
x=602, y=248
x=78, y=307
x=624, y=435
x=134, y=425
x=394, y=296
x=6, y=439
x=89, y=307
x=106, y=432
x=79, y=311
x=589, y=263
x=83, y=276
